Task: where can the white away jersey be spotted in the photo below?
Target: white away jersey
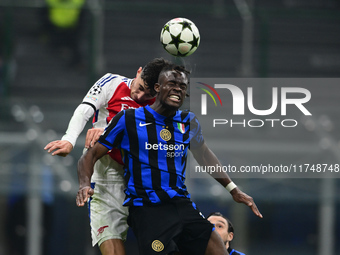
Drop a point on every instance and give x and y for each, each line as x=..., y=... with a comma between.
x=108, y=96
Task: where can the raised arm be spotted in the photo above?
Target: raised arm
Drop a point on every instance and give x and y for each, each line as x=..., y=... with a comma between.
x=97, y=97
x=76, y=125
x=205, y=157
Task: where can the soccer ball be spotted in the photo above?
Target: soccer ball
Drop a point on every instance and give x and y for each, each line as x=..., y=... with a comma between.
x=180, y=37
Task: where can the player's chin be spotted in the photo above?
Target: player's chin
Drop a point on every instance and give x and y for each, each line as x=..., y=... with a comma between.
x=136, y=98
x=174, y=105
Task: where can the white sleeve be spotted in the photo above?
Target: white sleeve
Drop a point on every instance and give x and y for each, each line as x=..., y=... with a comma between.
x=80, y=117
x=101, y=92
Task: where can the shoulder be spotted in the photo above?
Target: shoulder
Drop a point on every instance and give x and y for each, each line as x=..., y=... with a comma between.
x=186, y=115
x=107, y=78
x=193, y=119
x=131, y=111
x=111, y=78
x=127, y=111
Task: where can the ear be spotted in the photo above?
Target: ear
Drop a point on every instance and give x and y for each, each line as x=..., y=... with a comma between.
x=230, y=236
x=139, y=71
x=157, y=87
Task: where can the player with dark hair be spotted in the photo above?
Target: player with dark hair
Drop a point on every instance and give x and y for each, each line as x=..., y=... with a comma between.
x=225, y=229
x=108, y=96
x=155, y=141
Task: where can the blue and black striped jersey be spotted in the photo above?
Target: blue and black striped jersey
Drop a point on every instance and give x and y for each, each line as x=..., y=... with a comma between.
x=154, y=149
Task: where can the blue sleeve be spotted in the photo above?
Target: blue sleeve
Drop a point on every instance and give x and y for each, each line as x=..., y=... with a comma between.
x=234, y=252
x=196, y=136
x=114, y=132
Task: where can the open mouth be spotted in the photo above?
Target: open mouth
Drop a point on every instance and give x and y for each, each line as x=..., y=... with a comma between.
x=175, y=98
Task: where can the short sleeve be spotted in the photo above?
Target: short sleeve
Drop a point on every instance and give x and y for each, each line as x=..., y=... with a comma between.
x=114, y=132
x=101, y=92
x=196, y=136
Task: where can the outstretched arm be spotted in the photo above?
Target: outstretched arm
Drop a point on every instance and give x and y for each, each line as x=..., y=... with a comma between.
x=76, y=125
x=205, y=157
x=59, y=147
x=85, y=171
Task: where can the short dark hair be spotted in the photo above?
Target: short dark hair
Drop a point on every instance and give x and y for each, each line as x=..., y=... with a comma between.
x=174, y=67
x=152, y=70
x=230, y=225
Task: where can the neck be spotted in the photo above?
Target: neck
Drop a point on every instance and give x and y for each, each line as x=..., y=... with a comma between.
x=160, y=109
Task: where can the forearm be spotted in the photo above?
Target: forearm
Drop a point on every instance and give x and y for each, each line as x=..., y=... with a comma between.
x=87, y=161
x=85, y=170
x=80, y=117
x=205, y=157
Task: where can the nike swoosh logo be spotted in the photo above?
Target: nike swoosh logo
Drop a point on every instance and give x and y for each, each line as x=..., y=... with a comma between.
x=144, y=124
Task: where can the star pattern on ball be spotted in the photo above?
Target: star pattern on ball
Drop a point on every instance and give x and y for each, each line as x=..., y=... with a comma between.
x=166, y=28
x=176, y=40
x=180, y=37
x=185, y=24
x=195, y=41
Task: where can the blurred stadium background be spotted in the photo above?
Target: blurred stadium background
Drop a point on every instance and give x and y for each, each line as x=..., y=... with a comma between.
x=42, y=82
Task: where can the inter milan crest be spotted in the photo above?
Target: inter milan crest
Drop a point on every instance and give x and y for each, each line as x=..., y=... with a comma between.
x=157, y=246
x=165, y=134
x=95, y=90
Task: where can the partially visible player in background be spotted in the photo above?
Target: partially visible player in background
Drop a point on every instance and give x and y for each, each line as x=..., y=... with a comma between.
x=225, y=229
x=109, y=95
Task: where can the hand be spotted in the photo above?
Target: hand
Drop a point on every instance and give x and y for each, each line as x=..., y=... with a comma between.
x=83, y=194
x=241, y=197
x=92, y=136
x=59, y=147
